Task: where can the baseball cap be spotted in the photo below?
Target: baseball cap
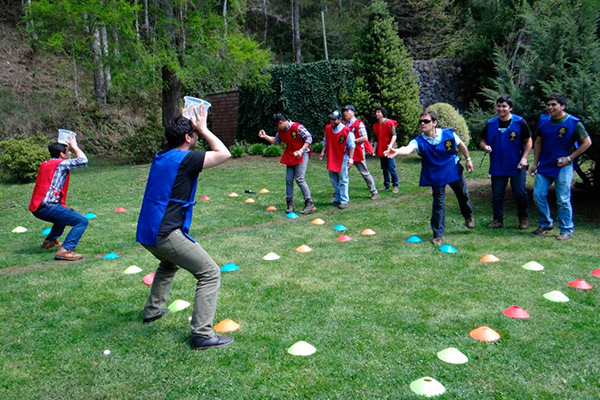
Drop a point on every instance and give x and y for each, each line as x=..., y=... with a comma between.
x=336, y=114
x=349, y=107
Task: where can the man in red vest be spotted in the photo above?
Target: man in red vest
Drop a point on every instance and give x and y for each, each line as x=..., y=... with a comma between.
x=297, y=141
x=361, y=140
x=385, y=133
x=339, y=145
x=49, y=195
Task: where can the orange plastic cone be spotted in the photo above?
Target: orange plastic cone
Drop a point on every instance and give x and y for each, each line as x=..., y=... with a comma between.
x=249, y=200
x=580, y=284
x=227, y=325
x=271, y=208
x=263, y=191
x=233, y=194
x=317, y=221
x=485, y=334
x=120, y=210
x=303, y=249
x=489, y=258
x=368, y=232
x=516, y=312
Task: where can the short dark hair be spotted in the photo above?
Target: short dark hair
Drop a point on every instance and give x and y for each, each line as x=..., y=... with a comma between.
x=432, y=114
x=505, y=98
x=559, y=97
x=279, y=117
x=176, y=130
x=56, y=148
x=383, y=112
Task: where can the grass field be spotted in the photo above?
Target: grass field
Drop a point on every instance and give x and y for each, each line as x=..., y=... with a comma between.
x=376, y=308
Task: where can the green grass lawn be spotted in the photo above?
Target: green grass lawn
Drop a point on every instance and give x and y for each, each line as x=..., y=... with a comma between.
x=376, y=308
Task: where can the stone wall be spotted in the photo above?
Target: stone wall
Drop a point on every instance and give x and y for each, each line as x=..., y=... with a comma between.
x=441, y=80
x=223, y=116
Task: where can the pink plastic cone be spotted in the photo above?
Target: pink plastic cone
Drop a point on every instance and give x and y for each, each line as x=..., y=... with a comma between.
x=516, y=312
x=596, y=272
x=344, y=238
x=580, y=284
x=204, y=198
x=120, y=210
x=148, y=279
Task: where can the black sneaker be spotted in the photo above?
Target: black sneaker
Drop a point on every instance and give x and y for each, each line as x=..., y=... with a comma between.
x=162, y=312
x=541, y=230
x=203, y=343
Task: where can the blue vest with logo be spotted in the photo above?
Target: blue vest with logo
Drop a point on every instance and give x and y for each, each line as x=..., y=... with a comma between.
x=438, y=166
x=557, y=141
x=158, y=195
x=506, y=147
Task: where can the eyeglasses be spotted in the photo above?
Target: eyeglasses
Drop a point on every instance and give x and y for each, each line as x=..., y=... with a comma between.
x=424, y=121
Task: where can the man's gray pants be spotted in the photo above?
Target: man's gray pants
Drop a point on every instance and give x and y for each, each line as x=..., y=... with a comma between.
x=177, y=251
x=364, y=171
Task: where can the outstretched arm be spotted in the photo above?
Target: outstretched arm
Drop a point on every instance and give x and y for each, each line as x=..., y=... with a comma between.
x=262, y=134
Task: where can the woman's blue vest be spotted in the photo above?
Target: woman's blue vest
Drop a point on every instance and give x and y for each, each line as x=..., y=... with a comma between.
x=158, y=195
x=557, y=141
x=506, y=147
x=438, y=163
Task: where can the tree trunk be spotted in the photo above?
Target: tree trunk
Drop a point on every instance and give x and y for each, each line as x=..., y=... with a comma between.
x=171, y=93
x=99, y=83
x=107, y=74
x=296, y=26
x=266, y=20
x=137, y=23
x=225, y=13
x=146, y=19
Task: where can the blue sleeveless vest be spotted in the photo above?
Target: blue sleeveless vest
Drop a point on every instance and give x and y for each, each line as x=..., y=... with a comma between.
x=506, y=147
x=158, y=195
x=557, y=141
x=438, y=166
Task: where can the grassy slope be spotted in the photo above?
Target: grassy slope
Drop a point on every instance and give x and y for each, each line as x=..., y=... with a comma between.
x=377, y=309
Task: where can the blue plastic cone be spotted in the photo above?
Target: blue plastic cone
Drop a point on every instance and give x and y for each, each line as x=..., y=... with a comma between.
x=340, y=228
x=292, y=215
x=229, y=267
x=414, y=239
x=90, y=215
x=108, y=256
x=447, y=248
x=46, y=231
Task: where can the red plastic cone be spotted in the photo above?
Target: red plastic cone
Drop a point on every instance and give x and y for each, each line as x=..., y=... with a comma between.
x=516, y=312
x=148, y=279
x=580, y=284
x=596, y=272
x=344, y=238
x=204, y=198
x=120, y=209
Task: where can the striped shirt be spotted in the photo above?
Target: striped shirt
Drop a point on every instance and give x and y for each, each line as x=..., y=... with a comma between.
x=53, y=195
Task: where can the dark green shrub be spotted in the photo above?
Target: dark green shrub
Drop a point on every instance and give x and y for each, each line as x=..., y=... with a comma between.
x=449, y=117
x=22, y=157
x=237, y=151
x=273, y=151
x=257, y=149
x=141, y=146
x=317, y=147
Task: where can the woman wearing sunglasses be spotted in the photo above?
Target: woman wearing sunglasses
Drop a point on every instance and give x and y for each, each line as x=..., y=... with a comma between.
x=440, y=166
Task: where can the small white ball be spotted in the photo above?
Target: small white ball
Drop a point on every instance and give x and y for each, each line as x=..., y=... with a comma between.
x=106, y=352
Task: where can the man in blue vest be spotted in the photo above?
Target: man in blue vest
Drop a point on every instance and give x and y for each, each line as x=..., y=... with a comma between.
x=560, y=139
x=507, y=138
x=164, y=225
x=440, y=166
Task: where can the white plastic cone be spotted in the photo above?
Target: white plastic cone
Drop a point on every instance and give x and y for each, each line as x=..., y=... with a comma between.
x=302, y=348
x=303, y=249
x=556, y=296
x=19, y=229
x=452, y=355
x=178, y=305
x=427, y=387
x=271, y=257
x=132, y=269
x=533, y=266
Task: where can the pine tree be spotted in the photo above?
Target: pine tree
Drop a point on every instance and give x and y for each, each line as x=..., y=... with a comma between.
x=386, y=70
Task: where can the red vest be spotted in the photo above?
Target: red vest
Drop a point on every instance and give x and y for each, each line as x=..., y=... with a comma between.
x=383, y=132
x=293, y=142
x=336, y=147
x=359, y=154
x=42, y=184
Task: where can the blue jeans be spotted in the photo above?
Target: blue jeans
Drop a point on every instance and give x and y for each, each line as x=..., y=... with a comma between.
x=519, y=190
x=388, y=166
x=438, y=208
x=340, y=180
x=562, y=185
x=62, y=217
x=297, y=173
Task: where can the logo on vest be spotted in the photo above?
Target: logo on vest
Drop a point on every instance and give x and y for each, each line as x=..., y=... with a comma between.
x=562, y=132
x=512, y=136
x=294, y=134
x=342, y=139
x=448, y=144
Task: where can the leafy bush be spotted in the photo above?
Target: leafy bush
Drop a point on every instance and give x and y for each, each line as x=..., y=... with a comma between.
x=141, y=146
x=237, y=151
x=273, y=151
x=257, y=149
x=449, y=117
x=317, y=147
x=22, y=157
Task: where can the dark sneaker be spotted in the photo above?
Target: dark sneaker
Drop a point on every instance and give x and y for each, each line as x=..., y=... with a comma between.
x=496, y=225
x=523, y=223
x=469, y=223
x=203, y=343
x=290, y=206
x=564, y=236
x=395, y=189
x=437, y=241
x=335, y=203
x=308, y=207
x=343, y=206
x=162, y=313
x=542, y=230
x=51, y=244
x=67, y=255
x=374, y=196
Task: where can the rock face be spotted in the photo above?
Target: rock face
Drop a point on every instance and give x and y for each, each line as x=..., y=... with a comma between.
x=441, y=80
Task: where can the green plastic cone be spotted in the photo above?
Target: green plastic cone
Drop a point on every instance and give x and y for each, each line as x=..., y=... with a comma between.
x=452, y=355
x=533, y=266
x=178, y=305
x=556, y=296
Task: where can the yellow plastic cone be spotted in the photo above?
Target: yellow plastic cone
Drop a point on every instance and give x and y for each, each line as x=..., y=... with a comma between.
x=489, y=258
x=452, y=355
x=368, y=232
x=178, y=305
x=227, y=325
x=19, y=229
x=132, y=269
x=302, y=348
x=303, y=249
x=533, y=266
x=249, y=200
x=271, y=257
x=263, y=191
x=317, y=221
x=233, y=194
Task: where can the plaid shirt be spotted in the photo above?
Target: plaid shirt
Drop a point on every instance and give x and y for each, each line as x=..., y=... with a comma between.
x=60, y=176
x=304, y=135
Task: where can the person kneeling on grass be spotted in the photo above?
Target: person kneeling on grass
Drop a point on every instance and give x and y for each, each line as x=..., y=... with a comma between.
x=164, y=225
x=49, y=195
x=440, y=166
x=297, y=141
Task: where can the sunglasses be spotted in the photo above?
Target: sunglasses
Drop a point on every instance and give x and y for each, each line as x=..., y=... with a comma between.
x=424, y=121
